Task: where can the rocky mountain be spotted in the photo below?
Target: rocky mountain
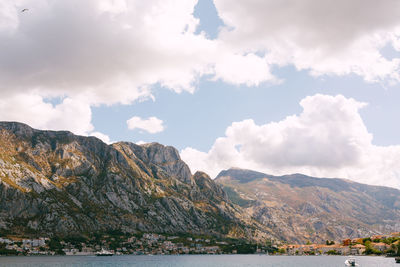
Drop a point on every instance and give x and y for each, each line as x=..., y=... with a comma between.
x=301, y=208
x=57, y=183
x=54, y=182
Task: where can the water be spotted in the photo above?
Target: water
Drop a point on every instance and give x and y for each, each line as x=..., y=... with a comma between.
x=195, y=261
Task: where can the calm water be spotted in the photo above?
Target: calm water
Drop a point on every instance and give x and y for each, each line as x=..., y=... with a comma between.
x=195, y=261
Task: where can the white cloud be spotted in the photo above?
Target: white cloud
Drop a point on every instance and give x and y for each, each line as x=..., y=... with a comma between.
x=103, y=137
x=141, y=142
x=151, y=125
x=105, y=52
x=110, y=50
x=114, y=51
x=71, y=114
x=325, y=37
x=328, y=139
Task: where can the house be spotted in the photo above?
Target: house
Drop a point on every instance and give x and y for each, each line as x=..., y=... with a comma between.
x=290, y=249
x=212, y=249
x=343, y=250
x=346, y=242
x=357, y=249
x=5, y=240
x=325, y=248
x=357, y=241
x=380, y=246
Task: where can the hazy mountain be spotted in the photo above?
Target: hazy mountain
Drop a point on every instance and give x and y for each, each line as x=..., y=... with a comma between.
x=301, y=208
x=57, y=182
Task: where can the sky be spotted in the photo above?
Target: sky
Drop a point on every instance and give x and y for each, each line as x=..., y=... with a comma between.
x=275, y=86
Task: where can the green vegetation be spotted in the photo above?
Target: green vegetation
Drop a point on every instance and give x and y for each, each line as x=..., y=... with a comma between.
x=241, y=248
x=4, y=251
x=366, y=239
x=55, y=245
x=333, y=252
x=369, y=250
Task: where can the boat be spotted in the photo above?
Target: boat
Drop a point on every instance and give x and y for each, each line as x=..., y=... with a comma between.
x=397, y=259
x=104, y=252
x=351, y=262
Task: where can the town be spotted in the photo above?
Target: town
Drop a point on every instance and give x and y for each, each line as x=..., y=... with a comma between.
x=119, y=244
x=159, y=244
x=374, y=245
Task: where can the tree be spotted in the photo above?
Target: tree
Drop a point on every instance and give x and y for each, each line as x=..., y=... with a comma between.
x=398, y=249
x=55, y=245
x=333, y=252
x=370, y=250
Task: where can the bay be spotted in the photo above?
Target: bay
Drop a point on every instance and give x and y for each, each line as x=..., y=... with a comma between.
x=194, y=261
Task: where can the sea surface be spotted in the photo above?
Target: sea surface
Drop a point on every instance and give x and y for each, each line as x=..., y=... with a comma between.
x=195, y=261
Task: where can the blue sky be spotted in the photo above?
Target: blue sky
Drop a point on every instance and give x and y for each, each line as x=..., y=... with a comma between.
x=276, y=87
x=198, y=119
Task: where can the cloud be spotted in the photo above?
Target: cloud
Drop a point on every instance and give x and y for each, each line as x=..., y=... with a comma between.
x=111, y=52
x=140, y=142
x=105, y=52
x=324, y=37
x=102, y=52
x=71, y=114
x=103, y=137
x=151, y=125
x=328, y=139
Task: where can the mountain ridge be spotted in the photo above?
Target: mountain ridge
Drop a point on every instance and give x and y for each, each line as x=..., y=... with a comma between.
x=310, y=208
x=57, y=182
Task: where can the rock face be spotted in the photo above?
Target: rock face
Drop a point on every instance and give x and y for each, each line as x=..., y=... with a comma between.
x=59, y=183
x=301, y=208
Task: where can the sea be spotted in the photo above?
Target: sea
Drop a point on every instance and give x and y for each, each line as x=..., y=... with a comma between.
x=195, y=261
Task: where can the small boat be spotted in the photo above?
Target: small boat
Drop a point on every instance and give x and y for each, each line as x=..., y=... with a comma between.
x=397, y=259
x=351, y=262
x=104, y=252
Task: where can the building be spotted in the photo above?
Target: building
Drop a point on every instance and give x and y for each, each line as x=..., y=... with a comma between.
x=380, y=246
x=357, y=249
x=357, y=240
x=343, y=250
x=346, y=242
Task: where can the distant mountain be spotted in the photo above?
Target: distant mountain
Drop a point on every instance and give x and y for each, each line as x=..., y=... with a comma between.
x=54, y=182
x=300, y=208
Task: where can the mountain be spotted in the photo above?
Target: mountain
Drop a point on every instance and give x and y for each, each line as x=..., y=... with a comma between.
x=54, y=182
x=58, y=183
x=301, y=208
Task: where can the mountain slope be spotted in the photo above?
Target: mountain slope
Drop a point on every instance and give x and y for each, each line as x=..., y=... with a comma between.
x=302, y=208
x=59, y=183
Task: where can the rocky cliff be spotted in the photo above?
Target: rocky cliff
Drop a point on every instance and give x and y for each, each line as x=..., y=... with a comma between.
x=301, y=208
x=54, y=182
